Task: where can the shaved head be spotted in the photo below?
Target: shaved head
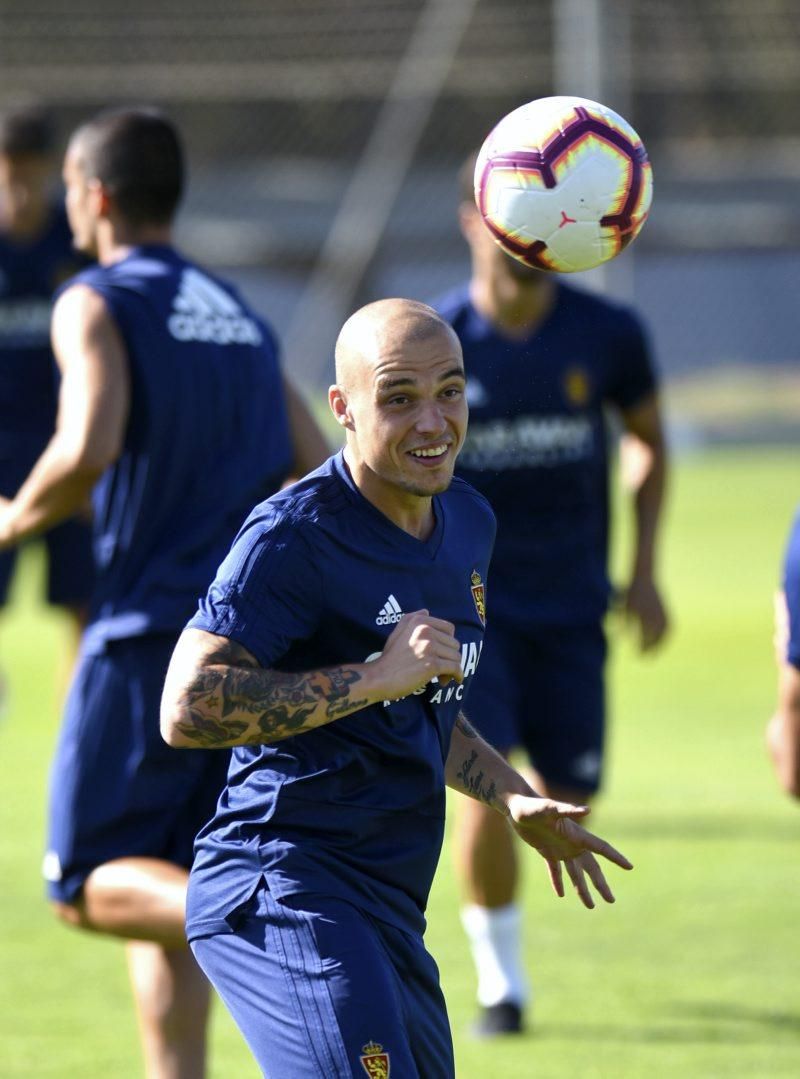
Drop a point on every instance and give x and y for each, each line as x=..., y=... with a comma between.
x=399, y=396
x=396, y=323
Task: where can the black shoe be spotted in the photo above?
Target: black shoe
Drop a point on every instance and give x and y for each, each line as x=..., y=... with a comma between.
x=505, y=1018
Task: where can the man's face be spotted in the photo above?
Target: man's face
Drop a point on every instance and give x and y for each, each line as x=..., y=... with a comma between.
x=81, y=200
x=23, y=190
x=408, y=412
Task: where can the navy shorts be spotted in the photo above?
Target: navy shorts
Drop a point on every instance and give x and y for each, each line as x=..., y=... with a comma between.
x=116, y=788
x=318, y=988
x=70, y=563
x=542, y=690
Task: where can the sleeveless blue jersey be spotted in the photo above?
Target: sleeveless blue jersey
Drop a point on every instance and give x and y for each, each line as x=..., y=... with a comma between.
x=791, y=587
x=536, y=447
x=319, y=577
x=207, y=438
x=30, y=272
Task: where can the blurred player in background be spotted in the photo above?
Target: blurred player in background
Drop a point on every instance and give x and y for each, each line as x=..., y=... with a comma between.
x=174, y=416
x=544, y=360
x=36, y=256
x=783, y=731
x=334, y=650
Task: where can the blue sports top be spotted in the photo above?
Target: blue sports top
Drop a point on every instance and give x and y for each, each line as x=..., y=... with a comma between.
x=30, y=272
x=319, y=577
x=207, y=437
x=791, y=587
x=536, y=447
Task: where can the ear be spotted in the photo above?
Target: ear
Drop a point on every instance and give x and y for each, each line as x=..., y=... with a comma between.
x=468, y=220
x=337, y=399
x=100, y=198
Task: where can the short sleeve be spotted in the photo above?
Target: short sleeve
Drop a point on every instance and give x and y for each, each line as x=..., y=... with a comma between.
x=633, y=375
x=791, y=587
x=267, y=593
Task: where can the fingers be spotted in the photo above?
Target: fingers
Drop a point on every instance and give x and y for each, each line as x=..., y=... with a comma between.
x=424, y=647
x=566, y=809
x=433, y=639
x=556, y=878
x=579, y=882
x=423, y=616
x=599, y=846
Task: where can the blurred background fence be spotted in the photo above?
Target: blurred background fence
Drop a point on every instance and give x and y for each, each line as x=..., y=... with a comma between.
x=325, y=137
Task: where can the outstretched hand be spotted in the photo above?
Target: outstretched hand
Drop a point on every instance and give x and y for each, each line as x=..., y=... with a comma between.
x=550, y=828
x=644, y=608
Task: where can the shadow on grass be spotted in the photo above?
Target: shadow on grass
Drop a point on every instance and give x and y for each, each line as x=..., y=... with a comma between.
x=701, y=1022
x=697, y=828
x=708, y=1011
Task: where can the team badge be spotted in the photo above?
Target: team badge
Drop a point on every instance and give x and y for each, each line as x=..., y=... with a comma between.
x=576, y=386
x=479, y=595
x=374, y=1061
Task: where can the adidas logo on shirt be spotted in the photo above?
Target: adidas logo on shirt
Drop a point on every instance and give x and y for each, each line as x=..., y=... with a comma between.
x=202, y=311
x=389, y=613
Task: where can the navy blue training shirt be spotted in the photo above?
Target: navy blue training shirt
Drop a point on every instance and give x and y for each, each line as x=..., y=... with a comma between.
x=536, y=447
x=207, y=438
x=30, y=272
x=319, y=577
x=791, y=587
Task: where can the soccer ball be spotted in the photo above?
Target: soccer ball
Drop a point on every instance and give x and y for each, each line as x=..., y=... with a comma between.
x=563, y=184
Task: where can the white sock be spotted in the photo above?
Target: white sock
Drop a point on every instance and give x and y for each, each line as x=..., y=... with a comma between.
x=495, y=938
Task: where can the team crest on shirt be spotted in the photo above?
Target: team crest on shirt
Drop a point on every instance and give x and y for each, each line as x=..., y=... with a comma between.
x=577, y=386
x=479, y=595
x=375, y=1061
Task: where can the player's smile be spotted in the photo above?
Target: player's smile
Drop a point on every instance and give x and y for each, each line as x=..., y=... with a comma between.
x=430, y=456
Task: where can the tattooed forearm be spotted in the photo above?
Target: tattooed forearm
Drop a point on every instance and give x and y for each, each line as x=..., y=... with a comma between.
x=221, y=697
x=474, y=782
x=465, y=726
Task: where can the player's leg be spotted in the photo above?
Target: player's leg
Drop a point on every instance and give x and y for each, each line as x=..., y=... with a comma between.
x=135, y=898
x=7, y=561
x=486, y=854
x=311, y=984
x=172, y=1002
x=124, y=812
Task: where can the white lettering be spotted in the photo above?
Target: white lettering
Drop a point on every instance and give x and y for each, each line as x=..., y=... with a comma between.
x=528, y=442
x=472, y=660
x=218, y=329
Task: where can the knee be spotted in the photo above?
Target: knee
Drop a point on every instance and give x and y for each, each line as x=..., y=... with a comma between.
x=72, y=914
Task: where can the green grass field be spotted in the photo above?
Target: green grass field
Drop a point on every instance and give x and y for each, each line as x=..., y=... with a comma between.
x=693, y=973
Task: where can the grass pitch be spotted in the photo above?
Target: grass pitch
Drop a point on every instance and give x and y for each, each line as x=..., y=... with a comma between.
x=693, y=973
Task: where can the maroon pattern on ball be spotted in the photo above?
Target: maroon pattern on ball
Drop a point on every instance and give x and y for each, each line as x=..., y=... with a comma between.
x=541, y=161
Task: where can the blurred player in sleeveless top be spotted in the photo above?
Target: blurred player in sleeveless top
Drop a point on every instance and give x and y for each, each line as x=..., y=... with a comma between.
x=174, y=418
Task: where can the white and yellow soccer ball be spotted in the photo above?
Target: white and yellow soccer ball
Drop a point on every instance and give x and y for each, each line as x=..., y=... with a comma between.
x=563, y=183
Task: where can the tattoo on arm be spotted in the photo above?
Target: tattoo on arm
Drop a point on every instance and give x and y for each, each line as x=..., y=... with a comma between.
x=465, y=726
x=231, y=700
x=474, y=782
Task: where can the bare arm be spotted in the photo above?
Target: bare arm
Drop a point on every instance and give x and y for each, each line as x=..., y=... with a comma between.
x=783, y=731
x=308, y=442
x=477, y=770
x=216, y=693
x=643, y=600
x=92, y=414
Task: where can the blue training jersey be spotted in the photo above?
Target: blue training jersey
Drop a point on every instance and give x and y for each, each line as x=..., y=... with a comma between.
x=319, y=577
x=30, y=272
x=537, y=447
x=791, y=588
x=207, y=437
